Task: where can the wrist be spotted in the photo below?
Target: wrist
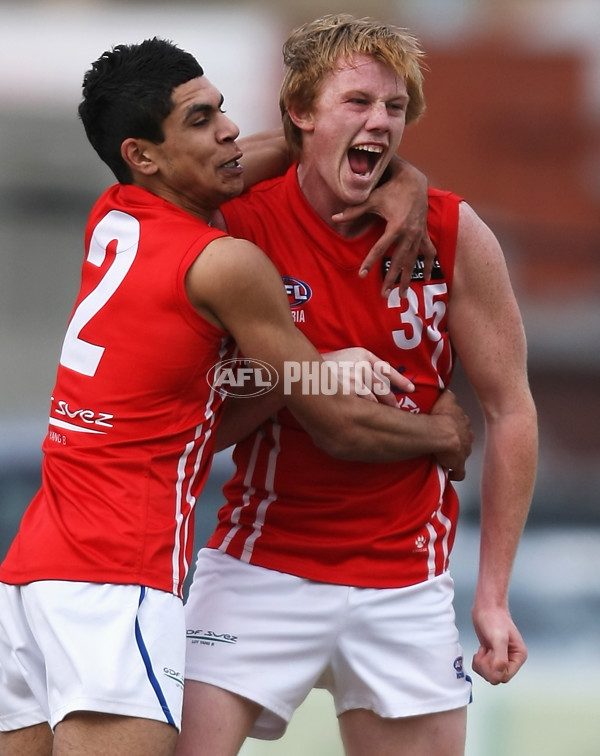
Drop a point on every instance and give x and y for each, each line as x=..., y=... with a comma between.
x=445, y=438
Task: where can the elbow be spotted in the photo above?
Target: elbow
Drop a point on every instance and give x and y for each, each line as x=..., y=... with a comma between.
x=220, y=445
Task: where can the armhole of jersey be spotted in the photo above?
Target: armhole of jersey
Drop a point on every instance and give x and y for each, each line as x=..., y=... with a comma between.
x=446, y=225
x=188, y=311
x=230, y=216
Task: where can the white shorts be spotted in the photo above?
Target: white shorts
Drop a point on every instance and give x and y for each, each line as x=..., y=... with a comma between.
x=272, y=637
x=69, y=646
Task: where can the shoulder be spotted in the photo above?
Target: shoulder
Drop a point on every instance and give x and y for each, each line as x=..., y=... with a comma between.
x=227, y=253
x=228, y=265
x=481, y=273
x=473, y=231
x=233, y=280
x=449, y=210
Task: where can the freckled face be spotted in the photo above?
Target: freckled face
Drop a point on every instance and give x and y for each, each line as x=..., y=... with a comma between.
x=352, y=132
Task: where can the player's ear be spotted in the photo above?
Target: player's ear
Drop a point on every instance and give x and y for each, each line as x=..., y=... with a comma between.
x=138, y=155
x=303, y=119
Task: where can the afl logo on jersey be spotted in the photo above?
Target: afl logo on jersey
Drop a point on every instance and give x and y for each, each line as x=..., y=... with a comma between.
x=298, y=292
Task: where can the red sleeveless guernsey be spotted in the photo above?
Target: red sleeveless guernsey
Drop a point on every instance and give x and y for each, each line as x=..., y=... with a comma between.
x=291, y=507
x=129, y=441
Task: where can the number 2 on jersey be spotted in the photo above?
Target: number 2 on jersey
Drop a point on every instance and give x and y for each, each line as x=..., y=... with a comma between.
x=77, y=354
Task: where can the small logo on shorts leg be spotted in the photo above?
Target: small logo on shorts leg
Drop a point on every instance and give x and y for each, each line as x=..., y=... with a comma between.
x=209, y=637
x=458, y=666
x=174, y=675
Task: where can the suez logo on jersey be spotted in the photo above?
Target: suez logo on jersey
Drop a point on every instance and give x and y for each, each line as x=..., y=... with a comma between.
x=81, y=420
x=241, y=377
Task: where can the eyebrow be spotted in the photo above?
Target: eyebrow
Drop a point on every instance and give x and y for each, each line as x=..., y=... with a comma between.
x=366, y=95
x=201, y=107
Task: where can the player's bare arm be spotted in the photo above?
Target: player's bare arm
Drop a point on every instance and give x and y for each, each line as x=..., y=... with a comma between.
x=487, y=331
x=455, y=462
x=241, y=416
x=254, y=309
x=244, y=414
x=266, y=155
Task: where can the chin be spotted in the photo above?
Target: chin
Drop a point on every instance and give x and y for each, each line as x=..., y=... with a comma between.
x=233, y=190
x=357, y=197
x=357, y=189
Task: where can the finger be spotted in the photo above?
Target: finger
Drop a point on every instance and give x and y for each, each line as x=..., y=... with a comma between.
x=359, y=389
x=490, y=667
x=514, y=665
x=370, y=397
x=499, y=665
x=405, y=279
x=376, y=252
x=352, y=212
x=517, y=656
x=378, y=379
x=457, y=473
x=402, y=266
x=389, y=376
x=398, y=263
x=388, y=398
x=429, y=255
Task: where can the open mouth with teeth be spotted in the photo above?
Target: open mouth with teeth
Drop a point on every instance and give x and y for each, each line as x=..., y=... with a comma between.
x=231, y=164
x=363, y=158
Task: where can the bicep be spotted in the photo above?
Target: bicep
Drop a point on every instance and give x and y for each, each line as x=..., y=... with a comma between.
x=235, y=284
x=484, y=320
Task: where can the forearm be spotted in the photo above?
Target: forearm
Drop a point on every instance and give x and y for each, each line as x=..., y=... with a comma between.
x=266, y=156
x=370, y=432
x=363, y=430
x=508, y=477
x=243, y=415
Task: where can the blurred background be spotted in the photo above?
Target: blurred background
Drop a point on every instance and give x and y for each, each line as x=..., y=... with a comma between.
x=513, y=125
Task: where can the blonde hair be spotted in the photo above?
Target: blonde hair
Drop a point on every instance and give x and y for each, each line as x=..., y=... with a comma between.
x=316, y=48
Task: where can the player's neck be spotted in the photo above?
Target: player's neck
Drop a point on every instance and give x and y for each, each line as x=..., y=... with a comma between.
x=326, y=203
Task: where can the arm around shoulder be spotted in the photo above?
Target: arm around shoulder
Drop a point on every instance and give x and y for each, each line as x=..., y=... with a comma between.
x=266, y=155
x=234, y=285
